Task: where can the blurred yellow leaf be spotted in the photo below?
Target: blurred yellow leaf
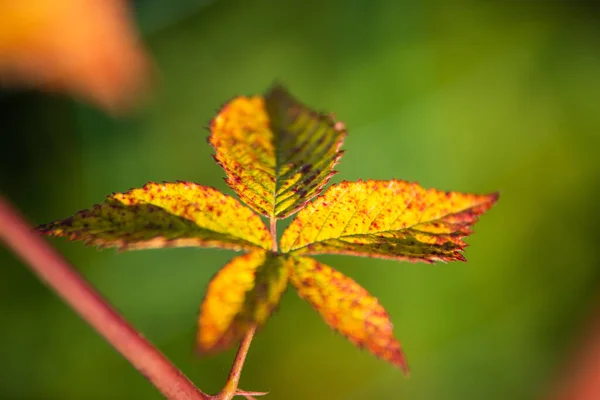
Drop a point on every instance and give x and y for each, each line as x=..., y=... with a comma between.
x=87, y=48
x=244, y=293
x=348, y=308
x=277, y=153
x=166, y=215
x=386, y=219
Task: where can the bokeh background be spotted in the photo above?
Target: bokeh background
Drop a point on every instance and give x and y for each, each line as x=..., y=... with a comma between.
x=465, y=95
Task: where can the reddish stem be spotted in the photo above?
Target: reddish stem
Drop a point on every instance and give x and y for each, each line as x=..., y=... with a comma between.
x=231, y=387
x=82, y=297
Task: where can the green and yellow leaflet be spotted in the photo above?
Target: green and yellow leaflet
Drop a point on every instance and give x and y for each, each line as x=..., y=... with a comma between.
x=243, y=293
x=348, y=308
x=386, y=219
x=277, y=153
x=165, y=215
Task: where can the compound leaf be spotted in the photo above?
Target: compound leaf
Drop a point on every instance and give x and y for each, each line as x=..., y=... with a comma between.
x=165, y=215
x=348, y=308
x=277, y=153
x=243, y=293
x=386, y=219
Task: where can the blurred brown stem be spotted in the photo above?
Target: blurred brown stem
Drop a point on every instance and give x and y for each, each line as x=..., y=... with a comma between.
x=83, y=298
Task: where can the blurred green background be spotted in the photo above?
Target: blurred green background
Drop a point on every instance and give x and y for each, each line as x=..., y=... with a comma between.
x=472, y=96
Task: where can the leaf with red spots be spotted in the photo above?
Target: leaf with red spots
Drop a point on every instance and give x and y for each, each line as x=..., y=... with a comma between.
x=165, y=215
x=348, y=308
x=242, y=294
x=386, y=219
x=277, y=153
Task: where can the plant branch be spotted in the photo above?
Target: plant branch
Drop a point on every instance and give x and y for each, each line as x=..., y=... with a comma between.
x=58, y=274
x=231, y=387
